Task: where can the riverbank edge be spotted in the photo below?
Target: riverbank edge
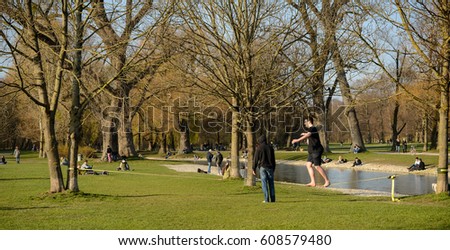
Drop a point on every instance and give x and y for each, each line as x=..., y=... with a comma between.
x=193, y=166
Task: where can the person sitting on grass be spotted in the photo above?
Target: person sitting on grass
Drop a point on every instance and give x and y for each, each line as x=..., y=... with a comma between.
x=357, y=162
x=85, y=165
x=341, y=160
x=418, y=165
x=124, y=164
x=3, y=160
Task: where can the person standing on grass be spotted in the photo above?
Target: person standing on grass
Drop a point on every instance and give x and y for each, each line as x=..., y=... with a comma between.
x=209, y=157
x=219, y=160
x=264, y=158
x=315, y=151
x=109, y=153
x=16, y=154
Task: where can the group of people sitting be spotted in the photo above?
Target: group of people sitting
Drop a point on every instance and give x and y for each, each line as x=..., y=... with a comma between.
x=356, y=162
x=85, y=168
x=418, y=165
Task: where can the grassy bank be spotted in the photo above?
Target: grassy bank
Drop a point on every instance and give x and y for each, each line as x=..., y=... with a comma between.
x=154, y=197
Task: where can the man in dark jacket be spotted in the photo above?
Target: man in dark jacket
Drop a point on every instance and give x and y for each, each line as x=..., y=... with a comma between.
x=264, y=159
x=219, y=160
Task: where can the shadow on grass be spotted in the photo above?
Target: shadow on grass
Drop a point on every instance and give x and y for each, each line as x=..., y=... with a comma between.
x=21, y=208
x=24, y=179
x=72, y=196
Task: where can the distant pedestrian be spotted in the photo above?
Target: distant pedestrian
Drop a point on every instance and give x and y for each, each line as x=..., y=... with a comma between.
x=109, y=153
x=16, y=154
x=219, y=160
x=209, y=157
x=264, y=159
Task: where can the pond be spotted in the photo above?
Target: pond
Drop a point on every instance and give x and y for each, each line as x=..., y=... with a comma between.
x=405, y=184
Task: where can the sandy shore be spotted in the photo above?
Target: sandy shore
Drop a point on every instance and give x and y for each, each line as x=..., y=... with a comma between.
x=394, y=169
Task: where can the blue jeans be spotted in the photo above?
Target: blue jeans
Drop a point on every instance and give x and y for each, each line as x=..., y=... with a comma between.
x=209, y=167
x=268, y=185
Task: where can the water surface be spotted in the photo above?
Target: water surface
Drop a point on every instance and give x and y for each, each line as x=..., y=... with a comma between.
x=407, y=184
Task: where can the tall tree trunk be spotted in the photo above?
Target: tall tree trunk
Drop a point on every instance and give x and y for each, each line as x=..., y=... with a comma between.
x=434, y=134
x=41, y=138
x=251, y=139
x=51, y=148
x=110, y=127
x=185, y=142
x=394, y=125
x=125, y=132
x=425, y=133
x=350, y=111
x=163, y=144
x=235, y=165
x=319, y=104
x=72, y=173
x=76, y=111
x=442, y=177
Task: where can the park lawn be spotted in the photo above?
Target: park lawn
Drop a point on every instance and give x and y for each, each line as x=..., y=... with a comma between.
x=155, y=197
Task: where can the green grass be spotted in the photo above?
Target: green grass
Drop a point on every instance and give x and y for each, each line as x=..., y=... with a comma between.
x=154, y=197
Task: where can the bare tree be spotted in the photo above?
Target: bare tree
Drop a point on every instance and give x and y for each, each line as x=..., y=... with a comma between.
x=438, y=16
x=426, y=28
x=237, y=45
x=30, y=32
x=320, y=50
x=133, y=46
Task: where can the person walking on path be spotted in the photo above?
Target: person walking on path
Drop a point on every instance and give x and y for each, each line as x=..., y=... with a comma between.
x=209, y=157
x=315, y=151
x=16, y=154
x=219, y=160
x=264, y=159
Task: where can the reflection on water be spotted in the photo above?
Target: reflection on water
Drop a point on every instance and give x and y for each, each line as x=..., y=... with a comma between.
x=408, y=184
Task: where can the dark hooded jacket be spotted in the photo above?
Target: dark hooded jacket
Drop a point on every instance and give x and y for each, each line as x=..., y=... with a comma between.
x=264, y=155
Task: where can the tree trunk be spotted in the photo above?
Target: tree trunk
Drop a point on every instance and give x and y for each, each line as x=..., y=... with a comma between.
x=76, y=114
x=72, y=173
x=76, y=111
x=442, y=177
x=251, y=139
x=234, y=151
x=163, y=145
x=185, y=142
x=394, y=124
x=319, y=105
x=425, y=133
x=434, y=136
x=110, y=127
x=41, y=139
x=51, y=148
x=125, y=132
x=350, y=112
